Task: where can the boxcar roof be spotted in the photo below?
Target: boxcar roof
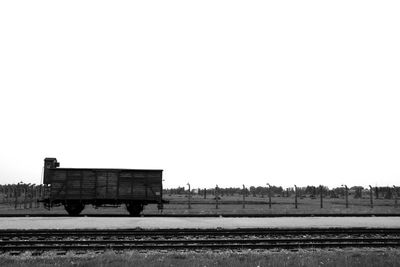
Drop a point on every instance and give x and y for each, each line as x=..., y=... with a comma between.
x=104, y=169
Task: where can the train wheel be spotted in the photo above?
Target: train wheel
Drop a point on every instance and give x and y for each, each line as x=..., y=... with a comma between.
x=74, y=208
x=134, y=209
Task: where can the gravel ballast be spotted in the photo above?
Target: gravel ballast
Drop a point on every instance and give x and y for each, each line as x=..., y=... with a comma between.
x=202, y=223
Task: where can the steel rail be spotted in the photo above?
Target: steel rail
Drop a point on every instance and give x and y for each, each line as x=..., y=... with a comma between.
x=200, y=230
x=226, y=240
x=226, y=215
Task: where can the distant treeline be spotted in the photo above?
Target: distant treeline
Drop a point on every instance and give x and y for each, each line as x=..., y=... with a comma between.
x=308, y=191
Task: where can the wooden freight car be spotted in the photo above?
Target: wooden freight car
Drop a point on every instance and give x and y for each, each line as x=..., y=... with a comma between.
x=75, y=188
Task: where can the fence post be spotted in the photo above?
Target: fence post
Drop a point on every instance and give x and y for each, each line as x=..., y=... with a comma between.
x=269, y=195
x=205, y=193
x=395, y=196
x=30, y=196
x=37, y=196
x=371, y=196
x=34, y=196
x=25, y=196
x=189, y=206
x=244, y=196
x=216, y=196
x=347, y=195
x=16, y=191
x=321, y=196
x=7, y=194
x=295, y=196
x=41, y=194
x=12, y=194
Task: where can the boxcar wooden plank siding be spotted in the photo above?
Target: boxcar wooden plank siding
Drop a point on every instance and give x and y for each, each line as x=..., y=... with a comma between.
x=105, y=184
x=76, y=187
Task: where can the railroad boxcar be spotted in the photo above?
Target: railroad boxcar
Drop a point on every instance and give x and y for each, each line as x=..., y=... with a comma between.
x=75, y=187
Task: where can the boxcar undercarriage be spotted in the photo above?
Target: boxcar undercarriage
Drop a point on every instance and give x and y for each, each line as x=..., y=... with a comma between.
x=75, y=206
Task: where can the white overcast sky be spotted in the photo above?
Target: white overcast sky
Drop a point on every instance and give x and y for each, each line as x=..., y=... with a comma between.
x=213, y=92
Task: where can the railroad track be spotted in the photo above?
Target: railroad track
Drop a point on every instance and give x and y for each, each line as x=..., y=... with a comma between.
x=190, y=239
x=60, y=233
x=226, y=215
